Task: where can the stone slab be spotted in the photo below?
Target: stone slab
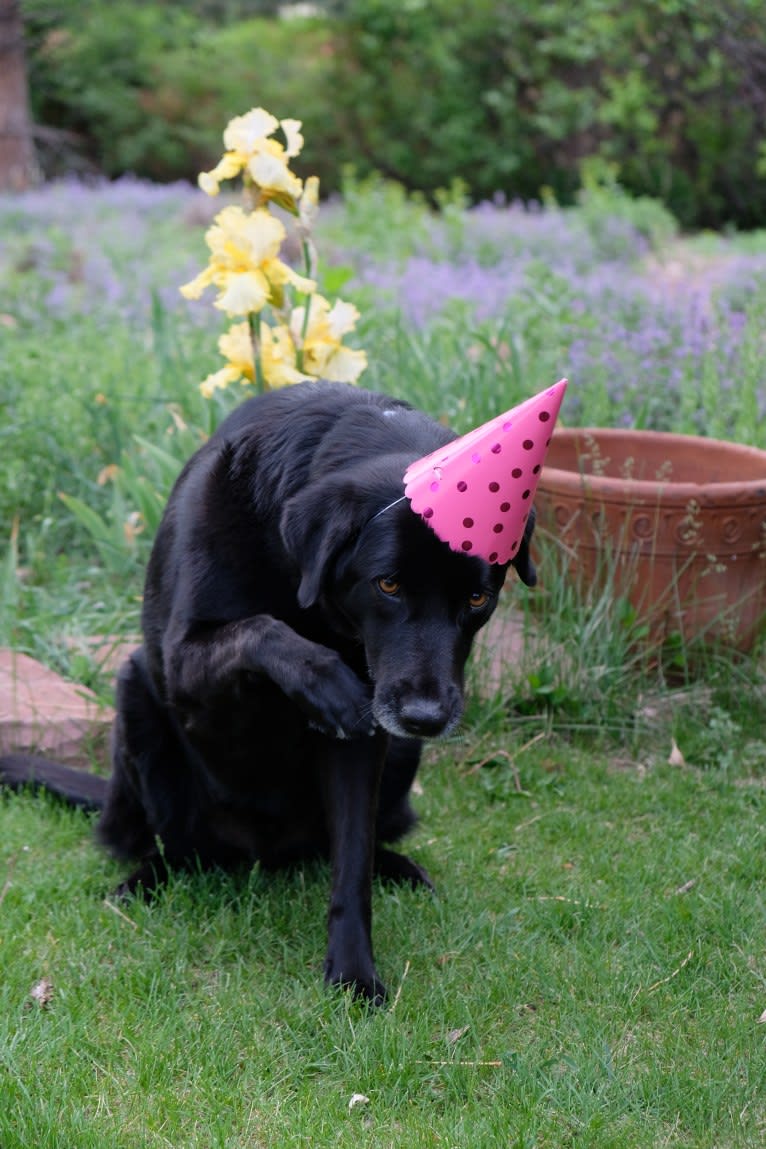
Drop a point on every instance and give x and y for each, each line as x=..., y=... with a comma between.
x=499, y=650
x=106, y=652
x=42, y=713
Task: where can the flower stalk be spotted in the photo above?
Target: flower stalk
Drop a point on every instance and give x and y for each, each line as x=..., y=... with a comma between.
x=276, y=341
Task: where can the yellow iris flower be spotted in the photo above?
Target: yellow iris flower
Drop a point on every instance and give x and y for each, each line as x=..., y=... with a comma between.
x=236, y=346
x=278, y=357
x=308, y=208
x=276, y=353
x=289, y=344
x=324, y=356
x=247, y=133
x=243, y=263
x=250, y=149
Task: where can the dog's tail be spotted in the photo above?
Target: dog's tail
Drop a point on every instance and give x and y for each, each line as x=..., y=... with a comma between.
x=75, y=787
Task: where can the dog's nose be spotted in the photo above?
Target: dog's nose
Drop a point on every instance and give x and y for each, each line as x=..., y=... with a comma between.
x=424, y=717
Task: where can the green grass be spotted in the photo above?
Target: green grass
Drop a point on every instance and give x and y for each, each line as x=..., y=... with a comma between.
x=591, y=971
x=589, y=974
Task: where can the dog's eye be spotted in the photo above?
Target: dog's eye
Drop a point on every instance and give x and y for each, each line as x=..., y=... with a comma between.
x=478, y=599
x=389, y=586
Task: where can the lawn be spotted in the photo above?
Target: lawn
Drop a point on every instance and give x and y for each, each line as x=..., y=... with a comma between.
x=592, y=970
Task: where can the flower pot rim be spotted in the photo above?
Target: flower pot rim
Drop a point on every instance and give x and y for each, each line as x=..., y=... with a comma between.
x=604, y=485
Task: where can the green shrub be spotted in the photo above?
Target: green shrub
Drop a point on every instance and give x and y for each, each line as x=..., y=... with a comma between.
x=682, y=105
x=513, y=97
x=506, y=96
x=279, y=65
x=149, y=88
x=455, y=88
x=90, y=70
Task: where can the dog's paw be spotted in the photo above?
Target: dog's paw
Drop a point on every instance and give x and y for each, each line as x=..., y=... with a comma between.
x=143, y=882
x=363, y=985
x=333, y=698
x=393, y=867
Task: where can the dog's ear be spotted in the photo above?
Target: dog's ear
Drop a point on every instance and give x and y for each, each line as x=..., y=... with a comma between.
x=522, y=560
x=316, y=525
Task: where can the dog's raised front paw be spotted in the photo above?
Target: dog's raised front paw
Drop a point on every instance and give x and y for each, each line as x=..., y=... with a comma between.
x=332, y=696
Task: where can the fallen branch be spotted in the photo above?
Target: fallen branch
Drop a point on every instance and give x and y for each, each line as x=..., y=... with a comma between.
x=116, y=910
x=398, y=994
x=561, y=898
x=467, y=1064
x=670, y=976
x=510, y=758
x=545, y=814
x=664, y=980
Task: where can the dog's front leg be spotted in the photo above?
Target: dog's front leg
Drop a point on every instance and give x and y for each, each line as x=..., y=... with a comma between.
x=205, y=664
x=351, y=772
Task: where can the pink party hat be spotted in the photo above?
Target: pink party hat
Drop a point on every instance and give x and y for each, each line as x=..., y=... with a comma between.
x=476, y=492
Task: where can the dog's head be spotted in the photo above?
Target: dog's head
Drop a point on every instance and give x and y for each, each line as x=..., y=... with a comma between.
x=383, y=577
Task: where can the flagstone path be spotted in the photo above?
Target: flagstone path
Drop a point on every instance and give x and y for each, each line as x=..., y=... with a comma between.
x=43, y=713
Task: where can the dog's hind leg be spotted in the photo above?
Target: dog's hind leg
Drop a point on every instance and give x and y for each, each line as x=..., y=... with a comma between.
x=393, y=867
x=351, y=777
x=152, y=814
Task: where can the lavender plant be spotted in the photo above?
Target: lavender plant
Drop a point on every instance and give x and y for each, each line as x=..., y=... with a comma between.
x=460, y=311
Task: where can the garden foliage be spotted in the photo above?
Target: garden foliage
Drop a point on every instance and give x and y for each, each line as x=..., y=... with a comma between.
x=509, y=97
x=591, y=973
x=514, y=96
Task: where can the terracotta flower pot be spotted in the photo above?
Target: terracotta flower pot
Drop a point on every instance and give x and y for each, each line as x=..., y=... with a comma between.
x=677, y=522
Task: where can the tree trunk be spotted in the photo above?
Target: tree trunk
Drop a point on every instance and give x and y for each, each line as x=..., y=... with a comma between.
x=18, y=164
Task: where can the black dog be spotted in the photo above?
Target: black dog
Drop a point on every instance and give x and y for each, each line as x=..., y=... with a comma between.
x=304, y=630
